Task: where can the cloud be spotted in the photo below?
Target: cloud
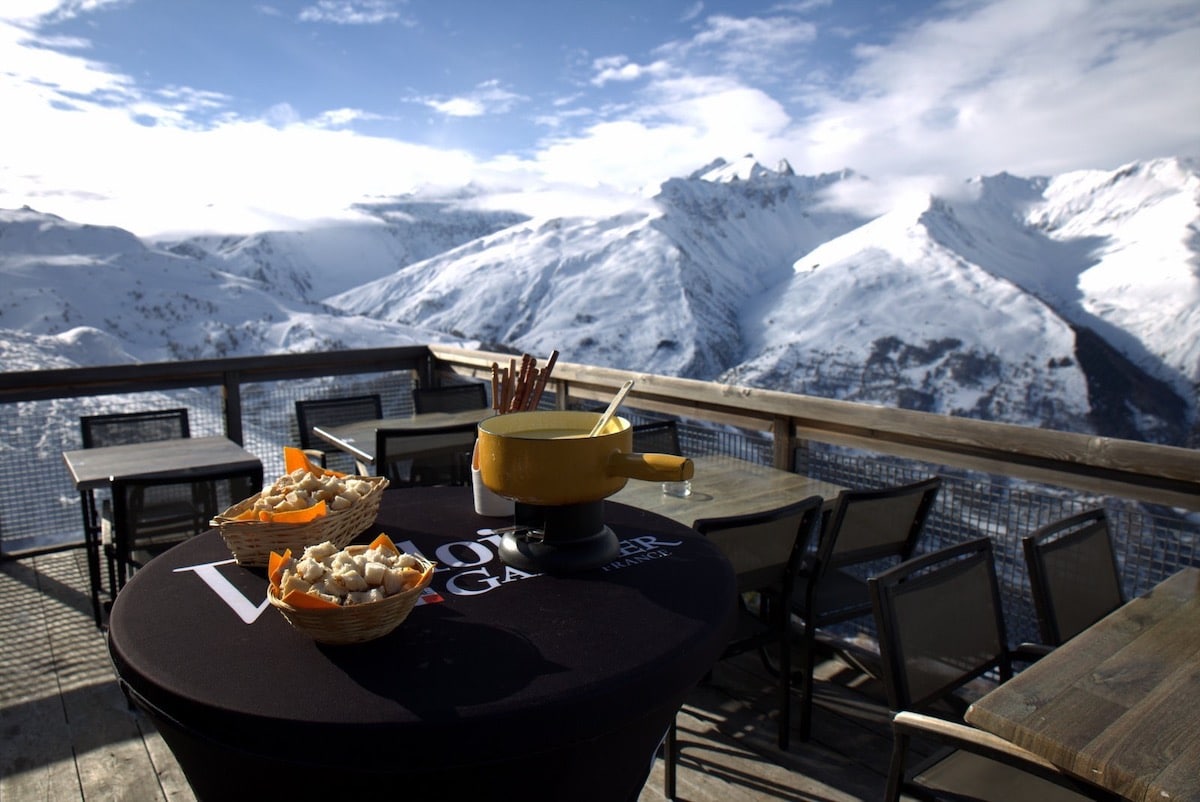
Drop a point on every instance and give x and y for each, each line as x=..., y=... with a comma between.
x=94, y=147
x=970, y=88
x=237, y=176
x=749, y=47
x=54, y=65
x=53, y=10
x=1025, y=86
x=620, y=69
x=458, y=107
x=680, y=124
x=353, y=12
x=1022, y=86
x=744, y=48
x=486, y=98
x=338, y=118
x=1017, y=85
x=733, y=33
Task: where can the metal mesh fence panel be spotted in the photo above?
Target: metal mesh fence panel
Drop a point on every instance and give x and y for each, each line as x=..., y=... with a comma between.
x=269, y=411
x=1151, y=542
x=39, y=506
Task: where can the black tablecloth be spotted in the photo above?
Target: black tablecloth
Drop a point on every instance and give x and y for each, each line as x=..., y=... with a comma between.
x=557, y=686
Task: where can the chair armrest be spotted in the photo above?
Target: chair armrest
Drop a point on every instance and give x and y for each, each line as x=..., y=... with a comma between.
x=1031, y=652
x=970, y=739
x=963, y=736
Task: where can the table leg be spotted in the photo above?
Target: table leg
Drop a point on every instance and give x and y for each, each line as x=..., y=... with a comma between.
x=91, y=540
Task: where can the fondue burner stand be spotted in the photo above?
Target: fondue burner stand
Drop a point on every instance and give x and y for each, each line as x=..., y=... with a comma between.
x=559, y=539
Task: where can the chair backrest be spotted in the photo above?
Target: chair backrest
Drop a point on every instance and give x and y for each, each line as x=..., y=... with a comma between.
x=766, y=548
x=1073, y=574
x=140, y=504
x=940, y=624
x=427, y=456
x=156, y=512
x=450, y=398
x=868, y=525
x=659, y=437
x=123, y=428
x=334, y=412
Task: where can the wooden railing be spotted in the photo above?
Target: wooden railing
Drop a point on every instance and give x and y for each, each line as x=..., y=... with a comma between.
x=1142, y=471
x=1133, y=470
x=228, y=374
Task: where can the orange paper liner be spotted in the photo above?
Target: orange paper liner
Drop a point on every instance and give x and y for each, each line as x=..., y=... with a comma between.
x=299, y=599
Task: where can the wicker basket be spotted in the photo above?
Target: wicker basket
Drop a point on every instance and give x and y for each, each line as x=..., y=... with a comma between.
x=253, y=541
x=355, y=623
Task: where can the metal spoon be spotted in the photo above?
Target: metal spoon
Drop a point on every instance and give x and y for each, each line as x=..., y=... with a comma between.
x=612, y=409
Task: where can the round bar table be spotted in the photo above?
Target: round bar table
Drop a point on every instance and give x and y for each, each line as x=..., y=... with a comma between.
x=500, y=684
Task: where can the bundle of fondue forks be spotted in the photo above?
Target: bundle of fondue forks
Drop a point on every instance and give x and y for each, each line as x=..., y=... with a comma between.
x=519, y=387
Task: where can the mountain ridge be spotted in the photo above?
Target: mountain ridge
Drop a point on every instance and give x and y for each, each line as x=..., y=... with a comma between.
x=1067, y=301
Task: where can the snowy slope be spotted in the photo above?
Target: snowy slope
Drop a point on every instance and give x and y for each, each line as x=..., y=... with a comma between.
x=542, y=285
x=84, y=292
x=1115, y=252
x=1145, y=281
x=885, y=314
x=1071, y=301
x=330, y=258
x=657, y=290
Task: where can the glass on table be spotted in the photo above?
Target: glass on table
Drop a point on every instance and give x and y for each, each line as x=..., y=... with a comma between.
x=678, y=489
x=488, y=503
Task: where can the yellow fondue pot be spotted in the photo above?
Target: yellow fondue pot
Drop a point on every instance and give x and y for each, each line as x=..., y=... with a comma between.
x=546, y=458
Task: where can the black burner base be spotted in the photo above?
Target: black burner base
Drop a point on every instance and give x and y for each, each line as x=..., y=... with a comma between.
x=560, y=539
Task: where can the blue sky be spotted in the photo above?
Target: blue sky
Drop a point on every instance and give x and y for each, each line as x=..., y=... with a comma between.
x=168, y=115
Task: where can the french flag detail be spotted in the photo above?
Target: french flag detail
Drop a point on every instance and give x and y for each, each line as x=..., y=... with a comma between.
x=429, y=596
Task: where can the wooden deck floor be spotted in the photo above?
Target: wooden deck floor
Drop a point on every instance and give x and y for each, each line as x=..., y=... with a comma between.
x=68, y=734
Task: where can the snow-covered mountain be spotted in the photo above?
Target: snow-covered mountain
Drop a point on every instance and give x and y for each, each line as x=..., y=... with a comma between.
x=312, y=264
x=1070, y=302
x=658, y=290
x=1075, y=299
x=88, y=295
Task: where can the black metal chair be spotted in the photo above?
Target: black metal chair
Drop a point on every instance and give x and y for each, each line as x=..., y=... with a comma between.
x=1073, y=575
x=941, y=628
x=450, y=398
x=333, y=412
x=425, y=457
x=766, y=550
x=123, y=428
x=865, y=529
x=182, y=508
x=659, y=437
x=167, y=506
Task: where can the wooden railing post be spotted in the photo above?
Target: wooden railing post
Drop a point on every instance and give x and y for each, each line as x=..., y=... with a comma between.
x=783, y=454
x=231, y=394
x=561, y=395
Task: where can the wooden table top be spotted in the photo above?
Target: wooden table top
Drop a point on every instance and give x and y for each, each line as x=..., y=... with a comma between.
x=1119, y=704
x=725, y=486
x=92, y=468
x=358, y=438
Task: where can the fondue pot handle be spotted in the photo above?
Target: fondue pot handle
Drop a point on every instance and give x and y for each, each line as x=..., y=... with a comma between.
x=651, y=467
